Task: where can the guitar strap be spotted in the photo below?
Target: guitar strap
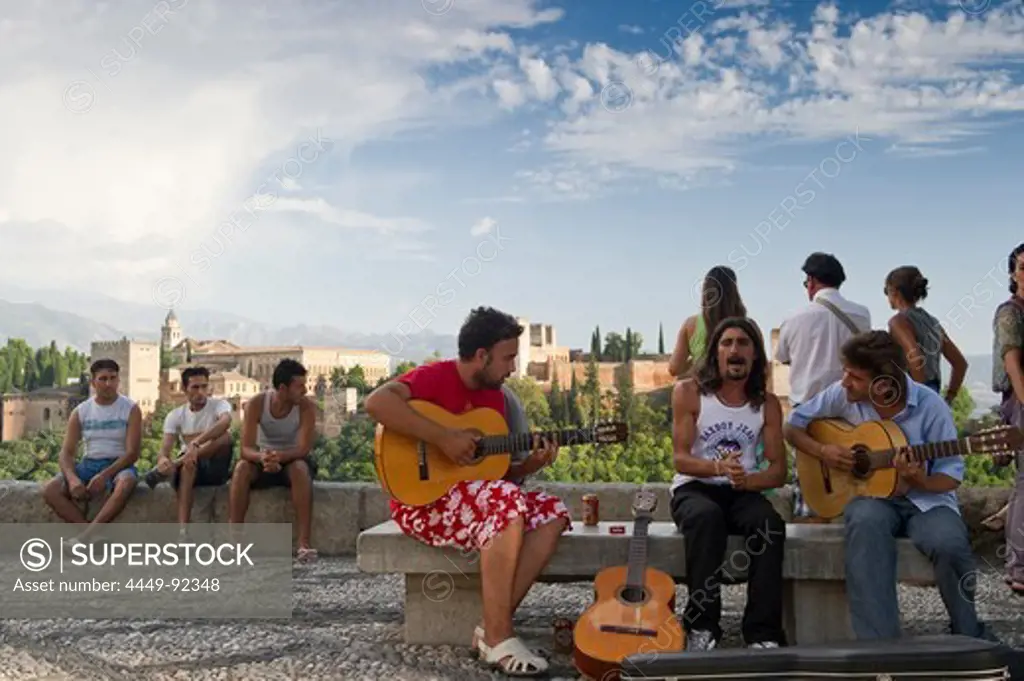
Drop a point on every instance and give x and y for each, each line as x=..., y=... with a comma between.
x=840, y=314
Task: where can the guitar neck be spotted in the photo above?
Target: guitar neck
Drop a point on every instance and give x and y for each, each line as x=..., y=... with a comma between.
x=926, y=452
x=637, y=564
x=504, y=444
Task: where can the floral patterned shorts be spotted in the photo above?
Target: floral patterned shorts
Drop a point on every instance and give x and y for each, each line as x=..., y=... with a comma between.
x=474, y=512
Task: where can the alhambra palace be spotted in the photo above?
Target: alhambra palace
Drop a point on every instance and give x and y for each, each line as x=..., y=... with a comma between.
x=151, y=375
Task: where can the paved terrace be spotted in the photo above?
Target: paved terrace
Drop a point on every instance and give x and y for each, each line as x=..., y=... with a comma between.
x=346, y=624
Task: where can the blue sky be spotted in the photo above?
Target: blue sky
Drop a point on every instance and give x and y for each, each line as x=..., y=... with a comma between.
x=573, y=163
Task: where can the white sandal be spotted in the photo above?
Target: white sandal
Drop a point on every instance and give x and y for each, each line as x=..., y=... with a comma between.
x=478, y=638
x=512, y=657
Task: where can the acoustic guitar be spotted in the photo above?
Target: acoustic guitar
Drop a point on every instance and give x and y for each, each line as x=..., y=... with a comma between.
x=417, y=473
x=874, y=445
x=633, y=610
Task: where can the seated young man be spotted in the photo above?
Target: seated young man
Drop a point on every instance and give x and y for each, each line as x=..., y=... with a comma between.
x=277, y=436
x=199, y=430
x=110, y=425
x=719, y=418
x=516, y=532
x=876, y=386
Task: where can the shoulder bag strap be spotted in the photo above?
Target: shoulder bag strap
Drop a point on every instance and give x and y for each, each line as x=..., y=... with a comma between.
x=840, y=314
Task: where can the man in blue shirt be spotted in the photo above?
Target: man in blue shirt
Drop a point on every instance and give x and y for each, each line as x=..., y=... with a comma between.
x=876, y=386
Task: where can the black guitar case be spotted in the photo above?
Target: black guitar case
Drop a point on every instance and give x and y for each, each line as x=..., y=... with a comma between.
x=918, y=658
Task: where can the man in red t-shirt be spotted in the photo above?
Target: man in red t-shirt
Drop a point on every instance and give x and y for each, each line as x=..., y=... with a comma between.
x=515, y=531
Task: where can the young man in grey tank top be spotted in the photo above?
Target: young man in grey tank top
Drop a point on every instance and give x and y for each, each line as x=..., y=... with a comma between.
x=110, y=425
x=278, y=431
x=717, y=487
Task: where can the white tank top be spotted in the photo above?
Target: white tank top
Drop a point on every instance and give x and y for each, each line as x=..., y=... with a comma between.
x=723, y=430
x=104, y=427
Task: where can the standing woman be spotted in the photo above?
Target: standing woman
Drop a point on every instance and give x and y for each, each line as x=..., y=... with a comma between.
x=720, y=298
x=920, y=334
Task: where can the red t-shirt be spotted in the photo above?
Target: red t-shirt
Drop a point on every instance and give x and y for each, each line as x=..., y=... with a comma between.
x=440, y=384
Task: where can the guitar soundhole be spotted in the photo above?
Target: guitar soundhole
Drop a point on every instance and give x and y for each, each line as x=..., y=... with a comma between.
x=633, y=595
x=861, y=462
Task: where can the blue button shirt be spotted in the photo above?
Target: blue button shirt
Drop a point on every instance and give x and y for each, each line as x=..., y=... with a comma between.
x=926, y=418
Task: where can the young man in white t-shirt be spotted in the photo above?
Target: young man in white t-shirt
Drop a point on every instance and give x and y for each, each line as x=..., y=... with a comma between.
x=200, y=429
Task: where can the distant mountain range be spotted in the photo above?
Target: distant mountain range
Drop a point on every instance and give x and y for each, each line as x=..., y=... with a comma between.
x=77, y=318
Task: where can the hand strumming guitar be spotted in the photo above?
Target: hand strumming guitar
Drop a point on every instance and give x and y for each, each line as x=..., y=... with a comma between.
x=837, y=457
x=459, y=446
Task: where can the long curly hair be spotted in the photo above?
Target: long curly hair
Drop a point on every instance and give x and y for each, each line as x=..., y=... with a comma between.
x=709, y=375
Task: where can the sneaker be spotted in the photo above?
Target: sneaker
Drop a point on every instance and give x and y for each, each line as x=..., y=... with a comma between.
x=764, y=645
x=699, y=641
x=154, y=478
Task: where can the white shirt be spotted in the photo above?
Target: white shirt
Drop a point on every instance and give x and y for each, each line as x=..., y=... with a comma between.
x=810, y=340
x=187, y=424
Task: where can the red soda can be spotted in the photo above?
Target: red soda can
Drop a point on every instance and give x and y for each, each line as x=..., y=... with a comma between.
x=563, y=635
x=590, y=509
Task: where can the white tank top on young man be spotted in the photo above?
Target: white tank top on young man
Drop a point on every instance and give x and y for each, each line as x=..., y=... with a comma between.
x=723, y=431
x=104, y=427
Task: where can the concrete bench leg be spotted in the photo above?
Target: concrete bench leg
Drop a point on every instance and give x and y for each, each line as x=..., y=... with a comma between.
x=815, y=611
x=442, y=608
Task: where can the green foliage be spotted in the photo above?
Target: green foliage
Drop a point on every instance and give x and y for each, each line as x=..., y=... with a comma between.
x=25, y=368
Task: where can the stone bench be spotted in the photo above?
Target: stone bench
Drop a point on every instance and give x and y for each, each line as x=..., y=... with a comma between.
x=442, y=586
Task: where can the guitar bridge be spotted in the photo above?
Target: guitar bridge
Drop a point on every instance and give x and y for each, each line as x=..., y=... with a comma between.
x=629, y=631
x=421, y=455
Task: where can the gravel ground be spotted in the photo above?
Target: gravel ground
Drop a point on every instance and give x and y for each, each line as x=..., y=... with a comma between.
x=347, y=625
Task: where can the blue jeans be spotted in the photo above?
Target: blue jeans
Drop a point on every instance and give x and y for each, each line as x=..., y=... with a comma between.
x=87, y=469
x=872, y=526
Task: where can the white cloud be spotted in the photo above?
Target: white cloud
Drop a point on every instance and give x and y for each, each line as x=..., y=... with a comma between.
x=630, y=28
x=483, y=226
x=920, y=84
x=185, y=108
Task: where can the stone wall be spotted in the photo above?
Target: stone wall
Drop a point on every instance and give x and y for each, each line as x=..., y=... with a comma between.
x=341, y=510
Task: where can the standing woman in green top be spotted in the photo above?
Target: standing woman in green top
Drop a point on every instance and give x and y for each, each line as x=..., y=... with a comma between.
x=920, y=334
x=720, y=298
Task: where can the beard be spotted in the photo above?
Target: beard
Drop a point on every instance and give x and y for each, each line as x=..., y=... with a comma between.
x=489, y=382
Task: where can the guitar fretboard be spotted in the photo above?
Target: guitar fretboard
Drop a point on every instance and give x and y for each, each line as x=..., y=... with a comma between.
x=503, y=444
x=923, y=453
x=637, y=564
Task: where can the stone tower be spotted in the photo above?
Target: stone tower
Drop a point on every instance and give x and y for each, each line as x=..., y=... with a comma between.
x=170, y=332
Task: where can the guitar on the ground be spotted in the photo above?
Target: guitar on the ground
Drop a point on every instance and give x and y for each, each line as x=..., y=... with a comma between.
x=416, y=473
x=874, y=445
x=633, y=610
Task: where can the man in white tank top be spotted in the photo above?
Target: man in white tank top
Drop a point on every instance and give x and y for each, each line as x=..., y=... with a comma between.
x=110, y=426
x=199, y=429
x=719, y=417
x=278, y=431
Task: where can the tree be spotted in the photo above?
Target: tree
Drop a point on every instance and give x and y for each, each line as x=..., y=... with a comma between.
x=556, y=401
x=661, y=339
x=591, y=392
x=575, y=417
